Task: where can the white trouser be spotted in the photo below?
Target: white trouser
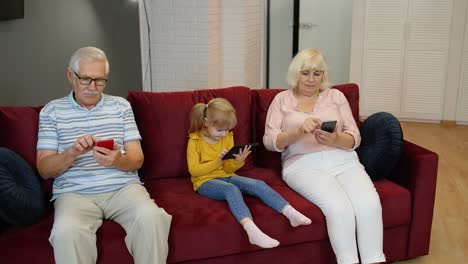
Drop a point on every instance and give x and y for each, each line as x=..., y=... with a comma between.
x=77, y=218
x=337, y=183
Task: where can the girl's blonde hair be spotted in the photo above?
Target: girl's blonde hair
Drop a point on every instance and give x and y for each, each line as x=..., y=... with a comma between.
x=307, y=60
x=219, y=112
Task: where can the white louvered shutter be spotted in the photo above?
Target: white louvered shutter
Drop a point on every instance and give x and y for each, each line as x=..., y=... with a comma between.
x=383, y=56
x=428, y=36
x=462, y=105
x=405, y=57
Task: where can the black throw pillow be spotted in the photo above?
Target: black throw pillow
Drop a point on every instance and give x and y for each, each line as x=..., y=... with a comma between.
x=21, y=196
x=381, y=144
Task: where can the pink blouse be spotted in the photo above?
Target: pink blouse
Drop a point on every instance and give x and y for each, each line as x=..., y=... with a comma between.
x=283, y=115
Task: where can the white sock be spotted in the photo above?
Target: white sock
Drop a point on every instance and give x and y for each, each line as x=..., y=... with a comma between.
x=295, y=218
x=257, y=237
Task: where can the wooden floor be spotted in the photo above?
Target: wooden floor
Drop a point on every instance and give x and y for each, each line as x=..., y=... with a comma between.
x=449, y=237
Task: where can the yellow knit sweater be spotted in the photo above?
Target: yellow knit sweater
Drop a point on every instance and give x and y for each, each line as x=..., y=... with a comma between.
x=202, y=159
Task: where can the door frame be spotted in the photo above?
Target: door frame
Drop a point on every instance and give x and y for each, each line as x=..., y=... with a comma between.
x=296, y=21
x=295, y=36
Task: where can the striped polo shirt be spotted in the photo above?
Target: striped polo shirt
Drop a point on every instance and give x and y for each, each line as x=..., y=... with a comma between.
x=62, y=121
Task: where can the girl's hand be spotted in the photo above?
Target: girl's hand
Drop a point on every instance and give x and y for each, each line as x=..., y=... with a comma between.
x=310, y=125
x=243, y=153
x=221, y=155
x=106, y=157
x=325, y=138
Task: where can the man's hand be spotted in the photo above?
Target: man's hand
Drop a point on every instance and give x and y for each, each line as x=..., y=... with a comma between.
x=50, y=164
x=82, y=145
x=106, y=157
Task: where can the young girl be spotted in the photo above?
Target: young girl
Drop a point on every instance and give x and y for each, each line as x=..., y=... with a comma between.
x=214, y=177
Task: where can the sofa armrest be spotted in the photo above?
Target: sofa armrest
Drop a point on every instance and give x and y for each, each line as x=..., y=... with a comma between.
x=417, y=172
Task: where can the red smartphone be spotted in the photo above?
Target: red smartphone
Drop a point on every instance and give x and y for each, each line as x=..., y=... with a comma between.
x=106, y=143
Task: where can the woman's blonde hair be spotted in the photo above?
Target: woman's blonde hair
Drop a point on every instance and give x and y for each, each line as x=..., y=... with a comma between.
x=307, y=60
x=218, y=111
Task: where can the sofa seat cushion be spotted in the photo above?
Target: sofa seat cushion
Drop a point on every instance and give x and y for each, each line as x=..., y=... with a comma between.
x=27, y=244
x=111, y=244
x=211, y=225
x=395, y=199
x=269, y=176
x=22, y=245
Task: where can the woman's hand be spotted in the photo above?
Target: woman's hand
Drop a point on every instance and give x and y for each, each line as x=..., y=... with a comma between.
x=106, y=157
x=338, y=140
x=310, y=125
x=286, y=138
x=325, y=138
x=243, y=153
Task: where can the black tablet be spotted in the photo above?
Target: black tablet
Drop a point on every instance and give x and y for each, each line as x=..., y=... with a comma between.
x=236, y=149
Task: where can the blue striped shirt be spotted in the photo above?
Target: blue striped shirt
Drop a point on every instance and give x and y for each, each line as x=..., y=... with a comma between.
x=62, y=121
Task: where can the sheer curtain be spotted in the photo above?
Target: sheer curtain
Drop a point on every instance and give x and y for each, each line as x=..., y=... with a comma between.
x=199, y=44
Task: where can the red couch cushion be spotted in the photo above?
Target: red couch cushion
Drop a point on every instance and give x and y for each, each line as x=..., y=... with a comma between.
x=395, y=199
x=261, y=100
x=163, y=119
x=351, y=92
x=18, y=131
x=209, y=223
x=31, y=244
x=396, y=203
x=28, y=244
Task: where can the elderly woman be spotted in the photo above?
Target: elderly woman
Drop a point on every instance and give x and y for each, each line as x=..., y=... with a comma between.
x=323, y=166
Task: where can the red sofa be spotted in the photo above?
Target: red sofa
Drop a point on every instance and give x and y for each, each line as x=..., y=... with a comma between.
x=203, y=230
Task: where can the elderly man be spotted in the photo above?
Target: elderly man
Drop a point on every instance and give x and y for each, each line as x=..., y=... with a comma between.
x=92, y=183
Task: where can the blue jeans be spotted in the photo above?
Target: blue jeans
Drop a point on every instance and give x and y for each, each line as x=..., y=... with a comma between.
x=232, y=188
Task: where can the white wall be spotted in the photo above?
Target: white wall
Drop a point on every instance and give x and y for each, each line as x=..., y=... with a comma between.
x=331, y=33
x=179, y=34
x=199, y=44
x=281, y=43
x=243, y=34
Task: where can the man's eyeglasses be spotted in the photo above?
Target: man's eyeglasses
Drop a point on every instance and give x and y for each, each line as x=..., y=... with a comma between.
x=87, y=80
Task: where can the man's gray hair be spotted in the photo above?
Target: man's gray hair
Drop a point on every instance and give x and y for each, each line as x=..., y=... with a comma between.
x=88, y=54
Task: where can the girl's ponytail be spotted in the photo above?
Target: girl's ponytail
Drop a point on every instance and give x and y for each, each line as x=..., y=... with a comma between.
x=197, y=117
